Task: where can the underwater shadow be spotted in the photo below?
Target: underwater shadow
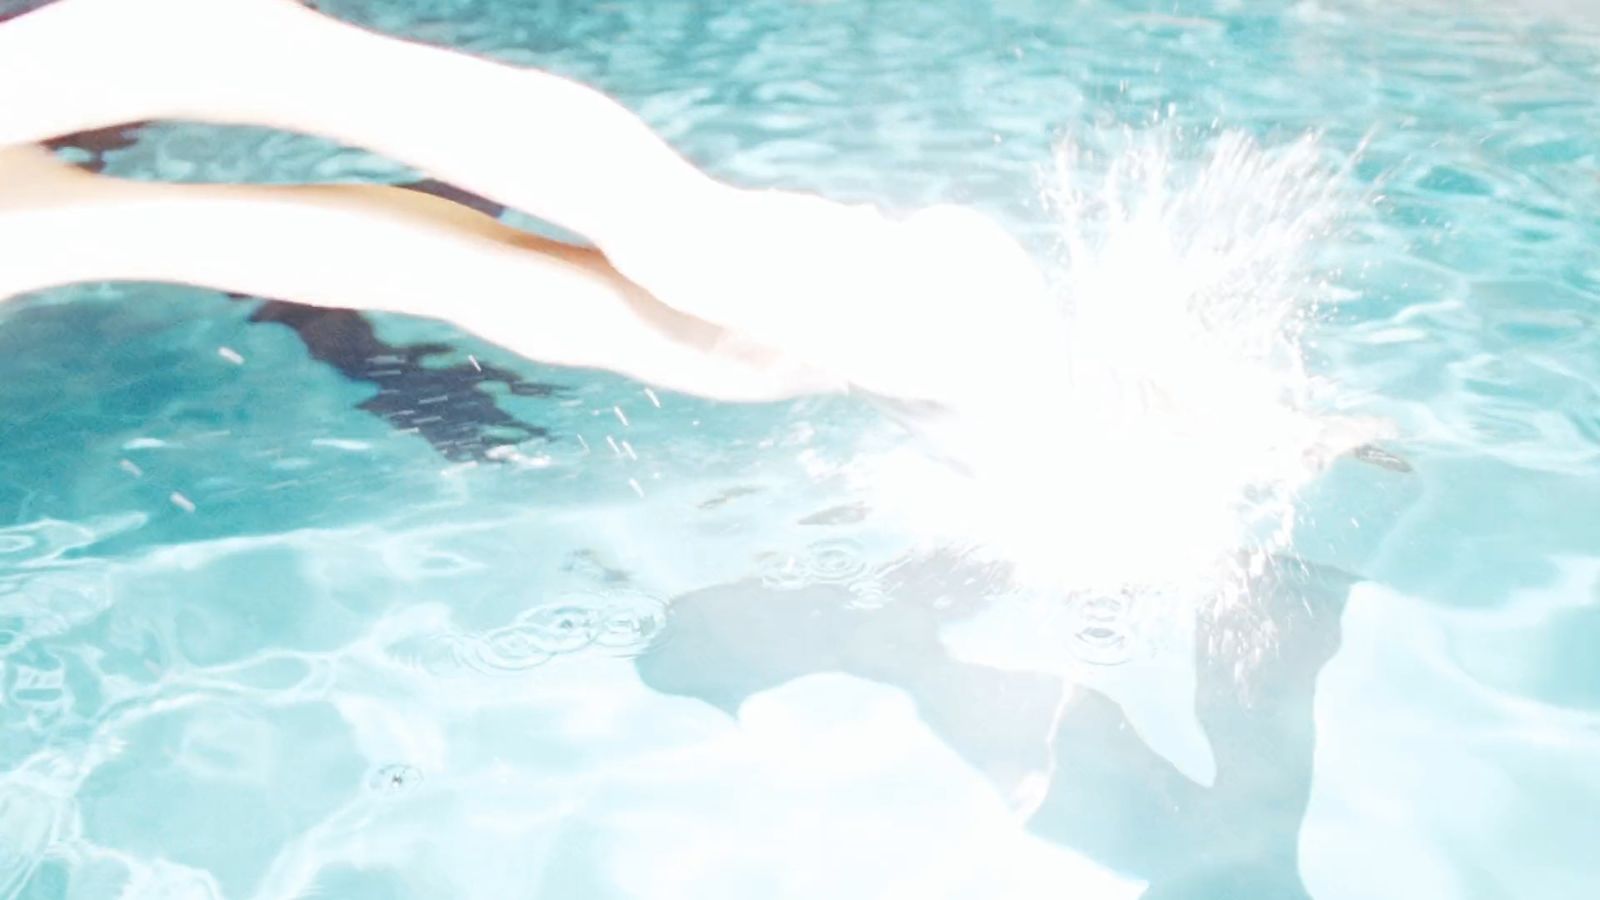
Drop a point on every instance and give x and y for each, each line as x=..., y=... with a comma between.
x=1110, y=795
x=449, y=406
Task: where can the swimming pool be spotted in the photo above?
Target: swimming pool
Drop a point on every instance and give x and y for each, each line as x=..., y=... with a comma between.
x=307, y=604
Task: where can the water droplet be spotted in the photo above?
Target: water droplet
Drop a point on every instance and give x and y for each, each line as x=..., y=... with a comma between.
x=629, y=625
x=560, y=629
x=781, y=571
x=835, y=562
x=394, y=779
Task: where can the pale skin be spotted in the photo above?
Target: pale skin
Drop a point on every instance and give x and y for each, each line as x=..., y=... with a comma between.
x=372, y=248
x=695, y=284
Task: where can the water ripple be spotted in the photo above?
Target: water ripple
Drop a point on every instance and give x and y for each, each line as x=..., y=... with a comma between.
x=623, y=624
x=1102, y=627
x=630, y=624
x=834, y=561
x=566, y=628
x=47, y=540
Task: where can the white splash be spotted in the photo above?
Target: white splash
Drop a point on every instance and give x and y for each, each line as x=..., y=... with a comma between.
x=1183, y=422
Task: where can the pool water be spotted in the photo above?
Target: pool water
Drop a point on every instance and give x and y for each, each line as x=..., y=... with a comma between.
x=305, y=604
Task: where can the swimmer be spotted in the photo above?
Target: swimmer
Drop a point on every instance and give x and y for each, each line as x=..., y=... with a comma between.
x=377, y=249
x=693, y=284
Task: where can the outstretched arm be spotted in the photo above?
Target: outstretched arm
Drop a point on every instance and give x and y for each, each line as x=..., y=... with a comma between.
x=371, y=248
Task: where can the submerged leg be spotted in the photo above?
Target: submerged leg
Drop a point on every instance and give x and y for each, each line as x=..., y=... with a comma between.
x=879, y=303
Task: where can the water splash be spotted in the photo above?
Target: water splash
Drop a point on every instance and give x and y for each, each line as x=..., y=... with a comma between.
x=1175, y=422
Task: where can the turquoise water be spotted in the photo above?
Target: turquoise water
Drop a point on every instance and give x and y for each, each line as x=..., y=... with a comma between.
x=270, y=628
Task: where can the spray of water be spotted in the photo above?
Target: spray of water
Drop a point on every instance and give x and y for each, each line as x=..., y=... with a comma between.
x=1166, y=453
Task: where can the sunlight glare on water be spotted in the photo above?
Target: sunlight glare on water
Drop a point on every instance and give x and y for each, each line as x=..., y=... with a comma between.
x=1186, y=273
